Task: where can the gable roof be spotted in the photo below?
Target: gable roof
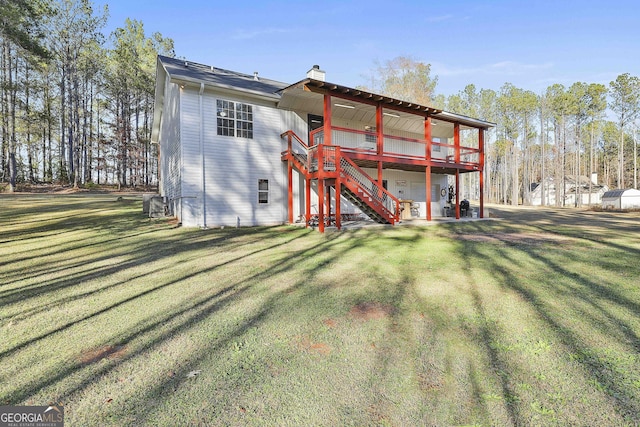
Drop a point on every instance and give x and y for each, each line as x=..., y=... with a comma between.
x=188, y=71
x=184, y=71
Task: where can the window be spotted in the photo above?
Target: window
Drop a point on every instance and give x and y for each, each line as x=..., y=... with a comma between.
x=369, y=137
x=235, y=119
x=263, y=191
x=436, y=148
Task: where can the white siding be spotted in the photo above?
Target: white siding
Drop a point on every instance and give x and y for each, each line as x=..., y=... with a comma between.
x=412, y=186
x=170, y=154
x=233, y=166
x=191, y=214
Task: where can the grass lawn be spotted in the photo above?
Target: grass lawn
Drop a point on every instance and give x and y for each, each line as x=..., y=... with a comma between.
x=533, y=319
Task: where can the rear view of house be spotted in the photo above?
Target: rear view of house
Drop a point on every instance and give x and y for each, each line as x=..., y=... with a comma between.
x=241, y=150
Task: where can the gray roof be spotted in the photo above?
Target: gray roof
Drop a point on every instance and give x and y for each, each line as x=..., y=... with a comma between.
x=627, y=192
x=180, y=69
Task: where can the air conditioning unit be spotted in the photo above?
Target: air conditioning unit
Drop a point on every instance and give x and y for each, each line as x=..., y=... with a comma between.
x=157, y=207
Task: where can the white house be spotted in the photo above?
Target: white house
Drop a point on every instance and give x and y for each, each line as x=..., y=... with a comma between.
x=580, y=188
x=241, y=150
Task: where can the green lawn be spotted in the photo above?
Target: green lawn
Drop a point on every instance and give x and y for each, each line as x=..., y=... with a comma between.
x=533, y=319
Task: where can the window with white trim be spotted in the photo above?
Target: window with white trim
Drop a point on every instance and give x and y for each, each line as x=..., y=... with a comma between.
x=234, y=119
x=263, y=191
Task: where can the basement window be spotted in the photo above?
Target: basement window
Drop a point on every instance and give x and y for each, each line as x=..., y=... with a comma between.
x=263, y=191
x=234, y=119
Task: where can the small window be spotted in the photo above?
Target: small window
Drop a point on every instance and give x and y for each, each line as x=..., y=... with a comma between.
x=234, y=119
x=436, y=148
x=263, y=191
x=370, y=137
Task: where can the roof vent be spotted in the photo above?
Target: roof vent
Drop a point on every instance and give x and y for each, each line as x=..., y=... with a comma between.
x=316, y=73
x=255, y=76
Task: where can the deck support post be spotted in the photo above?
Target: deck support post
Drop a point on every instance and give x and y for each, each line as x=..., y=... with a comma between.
x=307, y=212
x=379, y=139
x=481, y=162
x=321, y=185
x=338, y=189
x=328, y=199
x=290, y=190
x=427, y=182
x=456, y=148
x=427, y=155
x=338, y=208
x=457, y=193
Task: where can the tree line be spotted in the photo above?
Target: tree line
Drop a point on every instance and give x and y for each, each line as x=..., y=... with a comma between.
x=579, y=130
x=76, y=109
x=75, y=105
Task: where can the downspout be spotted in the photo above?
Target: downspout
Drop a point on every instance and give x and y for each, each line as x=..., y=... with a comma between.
x=201, y=136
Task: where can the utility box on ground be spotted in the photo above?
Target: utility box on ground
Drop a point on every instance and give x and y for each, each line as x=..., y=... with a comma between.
x=156, y=207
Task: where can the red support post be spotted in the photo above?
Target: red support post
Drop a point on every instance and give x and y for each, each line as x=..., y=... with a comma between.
x=320, y=149
x=379, y=139
x=307, y=212
x=428, y=184
x=338, y=189
x=457, y=193
x=321, y=205
x=456, y=143
x=481, y=161
x=327, y=119
x=456, y=147
x=290, y=189
x=338, y=209
x=328, y=201
x=427, y=154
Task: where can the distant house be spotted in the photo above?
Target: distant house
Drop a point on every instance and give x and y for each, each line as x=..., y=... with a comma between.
x=621, y=199
x=575, y=189
x=240, y=149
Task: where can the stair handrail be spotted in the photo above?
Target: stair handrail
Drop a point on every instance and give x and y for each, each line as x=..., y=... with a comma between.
x=293, y=136
x=390, y=203
x=303, y=154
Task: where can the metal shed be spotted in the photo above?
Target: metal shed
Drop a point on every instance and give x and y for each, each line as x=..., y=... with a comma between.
x=621, y=199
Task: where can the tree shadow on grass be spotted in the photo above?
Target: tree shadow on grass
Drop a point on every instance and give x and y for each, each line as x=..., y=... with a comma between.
x=150, y=257
x=498, y=260
x=202, y=311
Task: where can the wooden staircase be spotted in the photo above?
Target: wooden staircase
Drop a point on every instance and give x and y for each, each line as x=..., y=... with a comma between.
x=355, y=185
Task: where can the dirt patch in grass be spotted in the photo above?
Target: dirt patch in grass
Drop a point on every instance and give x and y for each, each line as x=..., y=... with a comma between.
x=516, y=238
x=330, y=323
x=105, y=352
x=305, y=344
x=370, y=311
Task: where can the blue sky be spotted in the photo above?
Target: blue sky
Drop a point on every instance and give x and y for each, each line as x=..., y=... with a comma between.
x=531, y=44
